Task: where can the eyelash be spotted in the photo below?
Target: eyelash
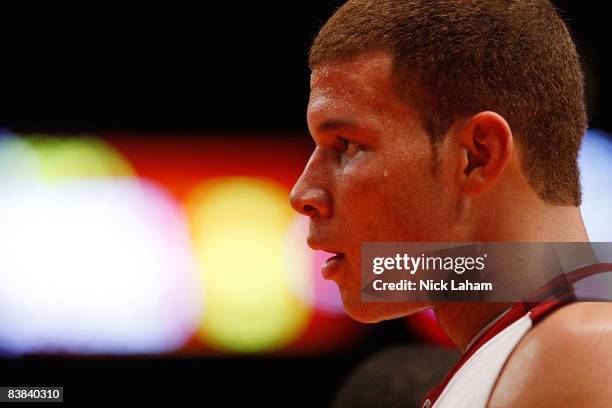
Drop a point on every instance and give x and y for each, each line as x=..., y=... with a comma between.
x=347, y=144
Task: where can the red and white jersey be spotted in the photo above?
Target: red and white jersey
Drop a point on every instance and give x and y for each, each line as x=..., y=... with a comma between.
x=470, y=383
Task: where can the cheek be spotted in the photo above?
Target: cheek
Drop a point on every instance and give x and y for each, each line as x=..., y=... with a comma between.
x=360, y=196
x=390, y=198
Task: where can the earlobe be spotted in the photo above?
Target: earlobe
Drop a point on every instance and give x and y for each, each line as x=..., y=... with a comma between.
x=487, y=143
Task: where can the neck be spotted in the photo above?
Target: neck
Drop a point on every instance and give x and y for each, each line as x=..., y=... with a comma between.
x=462, y=321
x=509, y=223
x=532, y=221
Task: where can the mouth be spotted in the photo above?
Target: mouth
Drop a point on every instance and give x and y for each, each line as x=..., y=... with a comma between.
x=331, y=267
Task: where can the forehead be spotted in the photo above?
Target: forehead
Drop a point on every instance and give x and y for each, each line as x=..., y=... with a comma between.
x=361, y=86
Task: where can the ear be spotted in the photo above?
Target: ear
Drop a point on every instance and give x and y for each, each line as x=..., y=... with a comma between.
x=486, y=145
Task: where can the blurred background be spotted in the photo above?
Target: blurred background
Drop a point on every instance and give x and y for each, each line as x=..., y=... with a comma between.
x=147, y=245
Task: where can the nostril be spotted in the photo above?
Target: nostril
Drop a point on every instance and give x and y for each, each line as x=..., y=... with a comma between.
x=312, y=202
x=309, y=209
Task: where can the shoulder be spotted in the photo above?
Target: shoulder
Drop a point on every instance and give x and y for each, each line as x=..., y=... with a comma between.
x=565, y=360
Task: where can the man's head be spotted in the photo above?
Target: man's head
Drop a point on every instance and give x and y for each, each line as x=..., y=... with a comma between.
x=427, y=114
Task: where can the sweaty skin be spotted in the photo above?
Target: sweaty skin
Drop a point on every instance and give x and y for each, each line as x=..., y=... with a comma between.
x=371, y=178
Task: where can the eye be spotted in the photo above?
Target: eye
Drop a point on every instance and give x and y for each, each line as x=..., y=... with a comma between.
x=346, y=146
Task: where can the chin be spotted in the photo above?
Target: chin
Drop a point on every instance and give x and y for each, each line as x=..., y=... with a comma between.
x=361, y=315
x=375, y=312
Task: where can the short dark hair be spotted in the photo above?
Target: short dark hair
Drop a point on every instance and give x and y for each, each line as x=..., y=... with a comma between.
x=455, y=58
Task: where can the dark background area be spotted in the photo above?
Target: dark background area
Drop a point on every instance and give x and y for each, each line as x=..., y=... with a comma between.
x=235, y=68
x=208, y=70
x=308, y=381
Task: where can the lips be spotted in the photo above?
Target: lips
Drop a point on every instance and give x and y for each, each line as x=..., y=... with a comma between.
x=332, y=266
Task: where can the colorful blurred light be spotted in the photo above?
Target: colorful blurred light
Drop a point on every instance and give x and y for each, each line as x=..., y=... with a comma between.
x=83, y=156
x=239, y=228
x=326, y=294
x=18, y=160
x=595, y=162
x=94, y=263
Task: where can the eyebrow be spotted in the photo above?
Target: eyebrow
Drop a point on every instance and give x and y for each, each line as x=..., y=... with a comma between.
x=335, y=124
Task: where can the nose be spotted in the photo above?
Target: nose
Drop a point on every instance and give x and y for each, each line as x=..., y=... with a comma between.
x=310, y=201
x=309, y=197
